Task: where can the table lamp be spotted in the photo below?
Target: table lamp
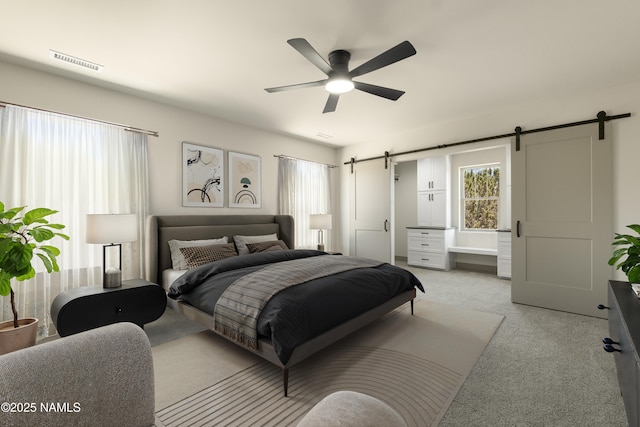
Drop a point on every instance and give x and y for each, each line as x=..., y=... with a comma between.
x=320, y=222
x=111, y=230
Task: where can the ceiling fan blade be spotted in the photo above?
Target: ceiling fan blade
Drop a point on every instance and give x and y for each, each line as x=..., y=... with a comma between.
x=296, y=86
x=384, y=92
x=395, y=54
x=303, y=46
x=331, y=104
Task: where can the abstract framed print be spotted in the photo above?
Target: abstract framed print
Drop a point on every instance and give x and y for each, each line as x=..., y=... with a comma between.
x=202, y=176
x=245, y=181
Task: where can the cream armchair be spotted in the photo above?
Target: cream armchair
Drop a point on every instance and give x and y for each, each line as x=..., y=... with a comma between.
x=101, y=377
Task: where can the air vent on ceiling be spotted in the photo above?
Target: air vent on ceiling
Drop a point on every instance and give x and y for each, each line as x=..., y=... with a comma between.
x=75, y=61
x=324, y=135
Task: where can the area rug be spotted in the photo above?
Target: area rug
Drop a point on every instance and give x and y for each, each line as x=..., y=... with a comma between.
x=416, y=364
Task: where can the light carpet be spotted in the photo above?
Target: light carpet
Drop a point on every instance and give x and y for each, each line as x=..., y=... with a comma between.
x=416, y=364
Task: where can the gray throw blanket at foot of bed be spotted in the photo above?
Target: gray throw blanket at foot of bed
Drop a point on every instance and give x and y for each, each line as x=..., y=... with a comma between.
x=236, y=312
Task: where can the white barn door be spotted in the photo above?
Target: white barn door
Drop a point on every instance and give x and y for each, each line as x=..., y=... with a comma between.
x=371, y=229
x=562, y=219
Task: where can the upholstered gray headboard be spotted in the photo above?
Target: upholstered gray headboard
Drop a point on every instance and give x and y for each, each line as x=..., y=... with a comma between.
x=162, y=228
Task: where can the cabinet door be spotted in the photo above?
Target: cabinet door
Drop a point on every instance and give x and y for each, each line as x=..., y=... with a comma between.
x=432, y=174
x=424, y=208
x=439, y=173
x=438, y=209
x=432, y=208
x=424, y=174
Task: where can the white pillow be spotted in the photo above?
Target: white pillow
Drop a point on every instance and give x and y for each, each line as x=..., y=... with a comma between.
x=241, y=241
x=177, y=259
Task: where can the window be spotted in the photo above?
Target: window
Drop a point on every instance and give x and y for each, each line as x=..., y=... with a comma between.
x=303, y=190
x=480, y=196
x=77, y=167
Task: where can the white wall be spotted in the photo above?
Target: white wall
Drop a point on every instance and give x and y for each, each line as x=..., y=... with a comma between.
x=406, y=203
x=38, y=89
x=42, y=90
x=478, y=239
x=613, y=100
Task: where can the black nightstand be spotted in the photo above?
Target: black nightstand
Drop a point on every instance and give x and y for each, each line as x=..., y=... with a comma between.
x=89, y=307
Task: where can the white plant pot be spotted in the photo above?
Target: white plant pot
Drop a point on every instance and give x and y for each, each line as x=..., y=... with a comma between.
x=12, y=339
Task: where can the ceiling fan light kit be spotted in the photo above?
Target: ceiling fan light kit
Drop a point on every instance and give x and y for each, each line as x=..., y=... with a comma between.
x=340, y=79
x=339, y=85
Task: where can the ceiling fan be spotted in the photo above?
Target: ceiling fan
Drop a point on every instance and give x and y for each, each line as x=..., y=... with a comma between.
x=340, y=79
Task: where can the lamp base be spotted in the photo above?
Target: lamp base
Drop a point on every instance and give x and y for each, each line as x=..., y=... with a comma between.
x=112, y=278
x=321, y=247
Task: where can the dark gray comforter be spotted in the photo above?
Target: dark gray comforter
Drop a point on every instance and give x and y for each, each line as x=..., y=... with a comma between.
x=301, y=312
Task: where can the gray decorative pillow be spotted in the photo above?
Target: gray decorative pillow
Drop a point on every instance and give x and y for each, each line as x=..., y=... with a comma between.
x=242, y=241
x=276, y=245
x=199, y=255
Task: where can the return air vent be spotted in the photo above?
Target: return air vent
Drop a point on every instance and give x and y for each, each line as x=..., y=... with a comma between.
x=324, y=135
x=75, y=61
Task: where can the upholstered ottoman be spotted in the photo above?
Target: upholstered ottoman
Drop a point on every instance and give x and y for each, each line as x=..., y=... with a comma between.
x=351, y=409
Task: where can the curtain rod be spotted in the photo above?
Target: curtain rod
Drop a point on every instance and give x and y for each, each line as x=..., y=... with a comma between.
x=125, y=127
x=283, y=156
x=601, y=118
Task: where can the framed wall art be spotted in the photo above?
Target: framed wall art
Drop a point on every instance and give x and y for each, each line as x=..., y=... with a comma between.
x=202, y=176
x=245, y=181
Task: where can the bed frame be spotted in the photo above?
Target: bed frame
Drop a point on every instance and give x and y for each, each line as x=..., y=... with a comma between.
x=162, y=228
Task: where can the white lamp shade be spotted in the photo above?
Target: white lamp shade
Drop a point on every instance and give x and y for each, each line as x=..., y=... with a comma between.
x=320, y=222
x=111, y=228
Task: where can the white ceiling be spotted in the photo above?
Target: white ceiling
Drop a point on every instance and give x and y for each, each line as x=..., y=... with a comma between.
x=217, y=56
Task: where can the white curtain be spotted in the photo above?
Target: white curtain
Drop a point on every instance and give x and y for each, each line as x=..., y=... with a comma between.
x=76, y=167
x=304, y=188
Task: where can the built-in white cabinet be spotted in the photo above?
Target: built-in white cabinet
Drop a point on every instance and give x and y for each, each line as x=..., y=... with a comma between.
x=504, y=254
x=433, y=192
x=428, y=247
x=432, y=209
x=433, y=173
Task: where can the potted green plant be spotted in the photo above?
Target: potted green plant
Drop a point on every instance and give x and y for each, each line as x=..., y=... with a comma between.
x=629, y=246
x=21, y=237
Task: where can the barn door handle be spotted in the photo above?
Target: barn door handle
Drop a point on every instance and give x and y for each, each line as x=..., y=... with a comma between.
x=610, y=348
x=386, y=221
x=518, y=228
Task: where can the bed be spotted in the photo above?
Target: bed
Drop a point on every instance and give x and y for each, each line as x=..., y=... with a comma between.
x=341, y=300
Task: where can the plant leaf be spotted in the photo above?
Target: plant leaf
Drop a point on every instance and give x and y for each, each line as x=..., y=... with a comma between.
x=46, y=262
x=28, y=275
x=5, y=282
x=64, y=236
x=10, y=213
x=634, y=227
x=634, y=274
x=37, y=215
x=41, y=234
x=50, y=250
